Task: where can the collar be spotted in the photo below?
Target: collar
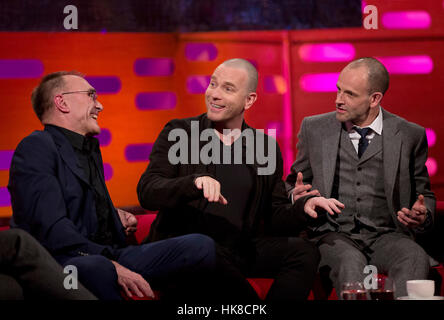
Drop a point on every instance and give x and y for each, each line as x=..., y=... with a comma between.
x=376, y=125
x=75, y=139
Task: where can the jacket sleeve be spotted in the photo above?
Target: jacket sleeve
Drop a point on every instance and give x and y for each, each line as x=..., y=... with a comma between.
x=287, y=218
x=302, y=162
x=422, y=182
x=161, y=185
x=38, y=202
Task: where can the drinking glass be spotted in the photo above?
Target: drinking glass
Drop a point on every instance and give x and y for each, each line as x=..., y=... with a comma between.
x=353, y=291
x=385, y=289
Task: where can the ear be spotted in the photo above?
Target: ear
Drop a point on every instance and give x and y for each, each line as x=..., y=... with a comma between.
x=61, y=104
x=251, y=98
x=375, y=99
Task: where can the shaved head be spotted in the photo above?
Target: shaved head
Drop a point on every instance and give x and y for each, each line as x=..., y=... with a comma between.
x=248, y=67
x=378, y=77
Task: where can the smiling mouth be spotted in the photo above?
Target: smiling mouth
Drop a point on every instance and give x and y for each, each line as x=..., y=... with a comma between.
x=94, y=116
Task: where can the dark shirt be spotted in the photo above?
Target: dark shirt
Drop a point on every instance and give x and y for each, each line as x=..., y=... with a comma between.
x=237, y=183
x=87, y=151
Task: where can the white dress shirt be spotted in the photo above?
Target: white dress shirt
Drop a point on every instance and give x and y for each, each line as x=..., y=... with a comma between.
x=376, y=127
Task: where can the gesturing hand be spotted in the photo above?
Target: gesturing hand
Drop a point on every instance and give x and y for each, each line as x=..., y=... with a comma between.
x=211, y=189
x=329, y=205
x=129, y=221
x=132, y=283
x=414, y=217
x=301, y=189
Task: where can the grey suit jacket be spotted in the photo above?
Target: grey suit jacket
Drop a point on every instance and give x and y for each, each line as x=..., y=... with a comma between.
x=404, y=153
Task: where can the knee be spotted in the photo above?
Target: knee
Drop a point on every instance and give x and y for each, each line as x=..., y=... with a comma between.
x=304, y=251
x=94, y=267
x=200, y=248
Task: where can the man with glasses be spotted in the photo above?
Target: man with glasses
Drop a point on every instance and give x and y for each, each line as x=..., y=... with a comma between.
x=58, y=194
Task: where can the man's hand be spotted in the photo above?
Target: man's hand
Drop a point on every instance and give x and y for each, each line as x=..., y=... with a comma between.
x=211, y=189
x=129, y=221
x=414, y=217
x=301, y=189
x=329, y=205
x=132, y=283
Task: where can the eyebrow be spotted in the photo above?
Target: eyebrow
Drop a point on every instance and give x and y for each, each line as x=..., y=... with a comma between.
x=346, y=91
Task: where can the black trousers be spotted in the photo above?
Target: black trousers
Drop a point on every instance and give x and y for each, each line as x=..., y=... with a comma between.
x=27, y=270
x=291, y=262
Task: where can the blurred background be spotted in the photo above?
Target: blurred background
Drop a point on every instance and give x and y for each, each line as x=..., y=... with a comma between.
x=150, y=61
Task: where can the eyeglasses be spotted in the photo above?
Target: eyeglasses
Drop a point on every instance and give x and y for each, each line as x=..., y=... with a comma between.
x=91, y=93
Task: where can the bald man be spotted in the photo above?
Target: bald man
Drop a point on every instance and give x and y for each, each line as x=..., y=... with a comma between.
x=215, y=175
x=374, y=162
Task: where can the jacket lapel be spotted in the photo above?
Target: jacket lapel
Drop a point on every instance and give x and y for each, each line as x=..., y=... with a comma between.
x=391, y=146
x=330, y=143
x=67, y=153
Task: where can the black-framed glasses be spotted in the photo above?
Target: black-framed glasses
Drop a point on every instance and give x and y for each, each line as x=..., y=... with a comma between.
x=91, y=93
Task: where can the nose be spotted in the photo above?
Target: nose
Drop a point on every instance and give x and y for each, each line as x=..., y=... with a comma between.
x=99, y=105
x=339, y=98
x=213, y=94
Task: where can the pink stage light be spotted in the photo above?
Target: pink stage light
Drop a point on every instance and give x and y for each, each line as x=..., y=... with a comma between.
x=431, y=137
x=408, y=64
x=432, y=166
x=406, y=20
x=319, y=82
x=327, y=52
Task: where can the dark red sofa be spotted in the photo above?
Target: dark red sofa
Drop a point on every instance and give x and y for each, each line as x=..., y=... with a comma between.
x=434, y=244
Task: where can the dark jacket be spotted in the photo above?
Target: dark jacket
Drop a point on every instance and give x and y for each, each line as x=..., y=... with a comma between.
x=170, y=189
x=52, y=199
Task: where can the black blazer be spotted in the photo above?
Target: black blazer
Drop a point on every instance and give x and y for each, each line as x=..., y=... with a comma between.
x=51, y=197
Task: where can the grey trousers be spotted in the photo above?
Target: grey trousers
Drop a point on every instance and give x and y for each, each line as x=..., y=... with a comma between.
x=393, y=253
x=27, y=270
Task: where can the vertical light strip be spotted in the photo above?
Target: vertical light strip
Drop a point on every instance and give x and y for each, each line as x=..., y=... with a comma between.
x=287, y=107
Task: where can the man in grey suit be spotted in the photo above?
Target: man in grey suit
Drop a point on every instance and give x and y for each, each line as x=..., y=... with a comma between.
x=373, y=162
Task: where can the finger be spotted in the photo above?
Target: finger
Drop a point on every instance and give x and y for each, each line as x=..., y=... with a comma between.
x=206, y=189
x=421, y=200
x=146, y=289
x=334, y=207
x=135, y=289
x=338, y=203
x=299, y=179
x=211, y=191
x=125, y=288
x=198, y=183
x=311, y=212
x=302, y=188
x=312, y=193
x=324, y=204
x=402, y=221
x=216, y=192
x=222, y=200
x=407, y=219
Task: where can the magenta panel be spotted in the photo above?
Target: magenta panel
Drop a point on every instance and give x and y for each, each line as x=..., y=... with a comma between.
x=200, y=51
x=408, y=64
x=20, y=68
x=156, y=100
x=5, y=199
x=138, y=152
x=105, y=84
x=5, y=159
x=154, y=67
x=406, y=20
x=108, y=170
x=198, y=84
x=319, y=82
x=327, y=52
x=431, y=137
x=104, y=137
